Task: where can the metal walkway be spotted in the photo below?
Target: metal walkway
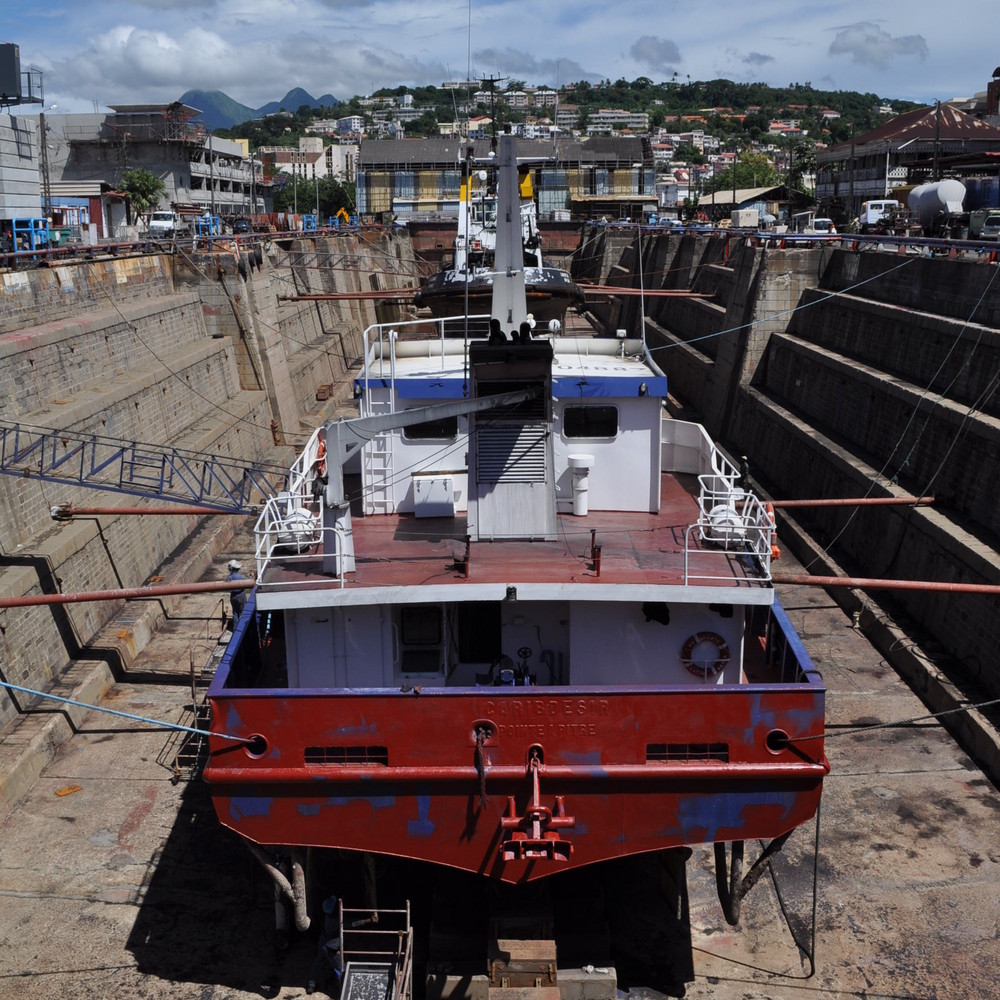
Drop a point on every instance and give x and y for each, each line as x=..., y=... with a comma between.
x=134, y=467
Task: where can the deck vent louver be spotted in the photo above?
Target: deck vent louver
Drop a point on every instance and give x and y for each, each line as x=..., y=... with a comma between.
x=348, y=756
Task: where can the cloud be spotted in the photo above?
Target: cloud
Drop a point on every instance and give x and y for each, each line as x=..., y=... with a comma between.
x=757, y=59
x=524, y=66
x=160, y=4
x=659, y=54
x=869, y=45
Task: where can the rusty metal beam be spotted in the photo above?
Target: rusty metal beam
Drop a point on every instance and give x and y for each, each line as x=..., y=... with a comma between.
x=649, y=293
x=870, y=583
x=855, y=502
x=389, y=295
x=128, y=593
x=67, y=511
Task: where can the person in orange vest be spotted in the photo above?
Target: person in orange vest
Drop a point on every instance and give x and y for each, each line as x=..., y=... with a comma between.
x=320, y=478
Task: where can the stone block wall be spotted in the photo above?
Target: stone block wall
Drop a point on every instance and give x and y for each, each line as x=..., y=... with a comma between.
x=194, y=352
x=845, y=373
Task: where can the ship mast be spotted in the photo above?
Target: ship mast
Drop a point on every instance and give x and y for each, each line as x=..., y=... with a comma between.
x=510, y=305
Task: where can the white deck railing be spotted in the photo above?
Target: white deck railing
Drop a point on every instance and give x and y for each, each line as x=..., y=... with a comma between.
x=381, y=340
x=289, y=535
x=731, y=520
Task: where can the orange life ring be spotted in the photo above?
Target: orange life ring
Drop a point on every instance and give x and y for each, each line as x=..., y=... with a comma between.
x=710, y=669
x=321, y=457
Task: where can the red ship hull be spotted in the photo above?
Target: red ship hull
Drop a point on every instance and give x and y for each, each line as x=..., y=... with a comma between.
x=616, y=771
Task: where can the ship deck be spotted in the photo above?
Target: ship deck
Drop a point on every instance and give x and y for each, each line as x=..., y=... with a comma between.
x=640, y=554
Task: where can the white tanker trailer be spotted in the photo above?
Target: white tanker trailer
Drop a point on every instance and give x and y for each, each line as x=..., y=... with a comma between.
x=938, y=208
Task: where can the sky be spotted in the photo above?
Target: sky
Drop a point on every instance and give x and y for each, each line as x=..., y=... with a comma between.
x=95, y=53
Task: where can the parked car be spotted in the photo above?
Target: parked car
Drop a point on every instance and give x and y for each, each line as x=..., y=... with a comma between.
x=991, y=227
x=241, y=226
x=823, y=227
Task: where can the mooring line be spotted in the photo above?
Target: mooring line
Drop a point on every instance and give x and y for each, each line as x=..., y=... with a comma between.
x=124, y=715
x=898, y=724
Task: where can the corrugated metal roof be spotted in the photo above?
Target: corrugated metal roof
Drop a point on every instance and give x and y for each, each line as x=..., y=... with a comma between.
x=77, y=189
x=923, y=124
x=723, y=197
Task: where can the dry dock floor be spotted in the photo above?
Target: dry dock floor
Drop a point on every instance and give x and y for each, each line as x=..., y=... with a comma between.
x=117, y=881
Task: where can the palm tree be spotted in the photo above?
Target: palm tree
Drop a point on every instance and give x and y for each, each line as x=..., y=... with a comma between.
x=143, y=191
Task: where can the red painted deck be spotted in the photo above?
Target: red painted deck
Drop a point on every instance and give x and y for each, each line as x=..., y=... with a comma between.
x=394, y=550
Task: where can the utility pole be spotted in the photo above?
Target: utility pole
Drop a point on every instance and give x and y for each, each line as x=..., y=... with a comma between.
x=211, y=173
x=43, y=160
x=853, y=211
x=736, y=156
x=936, y=174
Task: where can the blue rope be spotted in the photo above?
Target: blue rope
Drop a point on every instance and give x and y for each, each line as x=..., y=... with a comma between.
x=125, y=715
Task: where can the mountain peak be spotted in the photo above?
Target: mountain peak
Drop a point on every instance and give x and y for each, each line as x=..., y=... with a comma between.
x=219, y=110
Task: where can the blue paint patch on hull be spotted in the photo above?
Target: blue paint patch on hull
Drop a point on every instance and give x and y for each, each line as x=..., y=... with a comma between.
x=714, y=813
x=244, y=806
x=422, y=826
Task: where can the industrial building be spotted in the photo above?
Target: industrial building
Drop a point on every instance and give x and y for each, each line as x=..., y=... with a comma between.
x=208, y=174
x=419, y=178
x=911, y=149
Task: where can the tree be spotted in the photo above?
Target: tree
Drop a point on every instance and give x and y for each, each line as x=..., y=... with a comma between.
x=803, y=162
x=143, y=191
x=752, y=170
x=300, y=193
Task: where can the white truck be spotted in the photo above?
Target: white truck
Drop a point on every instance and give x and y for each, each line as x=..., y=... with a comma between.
x=168, y=224
x=874, y=212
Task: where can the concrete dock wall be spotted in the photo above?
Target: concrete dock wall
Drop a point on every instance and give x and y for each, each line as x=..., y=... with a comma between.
x=195, y=351
x=845, y=372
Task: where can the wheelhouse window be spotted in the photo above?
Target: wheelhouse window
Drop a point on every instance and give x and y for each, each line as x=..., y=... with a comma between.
x=432, y=430
x=590, y=422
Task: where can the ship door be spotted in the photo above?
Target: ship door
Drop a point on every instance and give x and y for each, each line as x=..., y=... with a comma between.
x=418, y=643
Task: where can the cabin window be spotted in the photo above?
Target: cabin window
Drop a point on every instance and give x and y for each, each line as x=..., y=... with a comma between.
x=432, y=430
x=590, y=422
x=478, y=627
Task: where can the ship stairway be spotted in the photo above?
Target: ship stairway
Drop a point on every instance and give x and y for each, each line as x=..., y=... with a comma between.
x=377, y=954
x=377, y=468
x=137, y=468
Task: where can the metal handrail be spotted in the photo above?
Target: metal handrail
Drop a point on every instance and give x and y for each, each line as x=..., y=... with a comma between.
x=755, y=545
x=282, y=540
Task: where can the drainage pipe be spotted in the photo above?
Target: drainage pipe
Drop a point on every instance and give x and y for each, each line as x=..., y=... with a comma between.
x=294, y=891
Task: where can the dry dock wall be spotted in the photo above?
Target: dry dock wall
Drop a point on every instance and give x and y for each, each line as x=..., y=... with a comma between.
x=193, y=350
x=844, y=372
